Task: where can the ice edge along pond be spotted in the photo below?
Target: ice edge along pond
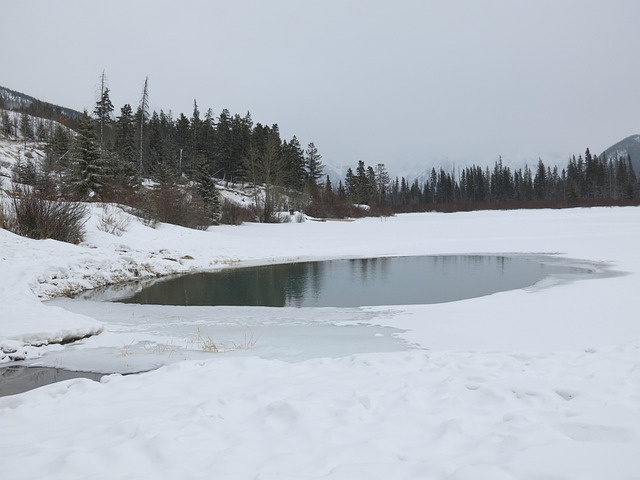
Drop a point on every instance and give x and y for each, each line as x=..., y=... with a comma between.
x=288, y=311
x=355, y=282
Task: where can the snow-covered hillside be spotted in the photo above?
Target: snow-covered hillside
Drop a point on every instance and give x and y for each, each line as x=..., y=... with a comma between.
x=14, y=100
x=11, y=152
x=627, y=146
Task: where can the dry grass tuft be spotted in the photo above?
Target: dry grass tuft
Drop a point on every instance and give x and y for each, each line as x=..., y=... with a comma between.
x=113, y=221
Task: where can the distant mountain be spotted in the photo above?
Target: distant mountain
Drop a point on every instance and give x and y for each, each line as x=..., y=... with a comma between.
x=337, y=173
x=409, y=171
x=629, y=146
x=12, y=100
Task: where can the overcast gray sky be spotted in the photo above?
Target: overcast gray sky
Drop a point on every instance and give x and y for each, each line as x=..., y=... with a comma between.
x=399, y=82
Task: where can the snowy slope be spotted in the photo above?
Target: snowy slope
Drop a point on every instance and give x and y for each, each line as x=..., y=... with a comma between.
x=11, y=152
x=17, y=100
x=627, y=146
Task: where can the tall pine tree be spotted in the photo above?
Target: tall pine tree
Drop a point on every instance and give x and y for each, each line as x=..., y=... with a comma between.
x=103, y=111
x=314, y=166
x=87, y=173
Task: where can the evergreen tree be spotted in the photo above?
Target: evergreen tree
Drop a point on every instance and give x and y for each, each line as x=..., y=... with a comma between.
x=241, y=139
x=183, y=127
x=125, y=135
x=164, y=174
x=207, y=190
x=360, y=187
x=196, y=132
x=293, y=164
x=415, y=192
x=41, y=132
x=266, y=165
x=327, y=185
x=157, y=153
x=540, y=182
x=263, y=167
x=208, y=138
x=314, y=166
x=383, y=182
x=502, y=188
x=223, y=154
x=7, y=126
x=103, y=110
x=125, y=148
x=350, y=184
x=87, y=176
x=143, y=115
x=433, y=182
x=26, y=127
x=25, y=171
x=57, y=150
x=371, y=189
x=589, y=175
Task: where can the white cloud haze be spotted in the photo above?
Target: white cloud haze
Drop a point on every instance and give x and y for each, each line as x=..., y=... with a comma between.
x=401, y=82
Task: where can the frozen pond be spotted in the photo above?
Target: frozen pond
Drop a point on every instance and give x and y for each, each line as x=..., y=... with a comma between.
x=349, y=283
x=141, y=336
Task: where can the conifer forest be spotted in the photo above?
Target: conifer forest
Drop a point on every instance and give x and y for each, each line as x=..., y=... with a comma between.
x=171, y=168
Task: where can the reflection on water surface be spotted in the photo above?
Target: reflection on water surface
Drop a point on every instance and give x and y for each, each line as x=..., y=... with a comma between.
x=353, y=282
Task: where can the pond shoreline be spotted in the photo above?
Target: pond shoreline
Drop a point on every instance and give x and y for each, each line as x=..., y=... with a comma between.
x=16, y=379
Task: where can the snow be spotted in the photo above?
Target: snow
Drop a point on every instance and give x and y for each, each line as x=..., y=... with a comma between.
x=536, y=383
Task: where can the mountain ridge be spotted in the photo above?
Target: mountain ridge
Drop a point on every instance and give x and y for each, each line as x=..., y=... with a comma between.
x=18, y=101
x=627, y=146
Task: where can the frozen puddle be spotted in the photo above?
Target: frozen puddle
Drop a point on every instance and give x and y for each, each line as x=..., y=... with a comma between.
x=16, y=379
x=142, y=337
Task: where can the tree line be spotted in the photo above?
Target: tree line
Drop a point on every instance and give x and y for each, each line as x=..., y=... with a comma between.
x=107, y=157
x=230, y=146
x=588, y=180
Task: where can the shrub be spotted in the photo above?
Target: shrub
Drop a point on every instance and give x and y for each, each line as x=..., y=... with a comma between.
x=329, y=205
x=381, y=210
x=169, y=204
x=29, y=172
x=172, y=203
x=36, y=217
x=234, y=214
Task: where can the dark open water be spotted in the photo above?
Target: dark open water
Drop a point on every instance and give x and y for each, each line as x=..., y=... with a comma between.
x=353, y=283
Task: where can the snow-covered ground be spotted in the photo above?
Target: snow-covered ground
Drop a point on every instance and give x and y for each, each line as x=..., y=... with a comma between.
x=539, y=383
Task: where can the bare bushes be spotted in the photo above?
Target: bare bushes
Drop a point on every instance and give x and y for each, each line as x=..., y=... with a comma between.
x=235, y=214
x=113, y=221
x=175, y=204
x=168, y=203
x=381, y=210
x=181, y=205
x=32, y=215
x=331, y=205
